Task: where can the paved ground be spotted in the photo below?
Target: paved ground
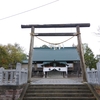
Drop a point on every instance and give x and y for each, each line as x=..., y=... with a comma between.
x=74, y=80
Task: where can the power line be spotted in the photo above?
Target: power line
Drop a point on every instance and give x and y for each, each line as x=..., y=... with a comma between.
x=29, y=10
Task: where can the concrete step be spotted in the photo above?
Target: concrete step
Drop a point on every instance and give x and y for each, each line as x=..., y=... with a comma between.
x=59, y=92
x=59, y=98
x=58, y=87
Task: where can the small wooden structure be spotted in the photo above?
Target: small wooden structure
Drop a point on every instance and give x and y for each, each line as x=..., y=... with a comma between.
x=77, y=33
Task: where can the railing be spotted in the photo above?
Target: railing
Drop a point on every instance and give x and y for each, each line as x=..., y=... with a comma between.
x=93, y=76
x=16, y=76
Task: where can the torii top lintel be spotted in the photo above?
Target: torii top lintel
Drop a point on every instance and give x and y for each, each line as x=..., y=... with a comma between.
x=57, y=25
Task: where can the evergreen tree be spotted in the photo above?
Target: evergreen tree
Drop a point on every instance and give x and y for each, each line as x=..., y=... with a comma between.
x=90, y=60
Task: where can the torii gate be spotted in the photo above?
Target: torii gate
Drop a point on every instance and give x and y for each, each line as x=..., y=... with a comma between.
x=78, y=34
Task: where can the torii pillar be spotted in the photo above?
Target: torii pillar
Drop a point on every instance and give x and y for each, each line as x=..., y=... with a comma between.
x=80, y=48
x=31, y=55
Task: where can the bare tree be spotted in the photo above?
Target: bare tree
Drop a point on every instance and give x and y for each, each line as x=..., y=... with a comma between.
x=98, y=31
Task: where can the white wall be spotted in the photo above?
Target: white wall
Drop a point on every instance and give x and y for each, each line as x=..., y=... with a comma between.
x=26, y=65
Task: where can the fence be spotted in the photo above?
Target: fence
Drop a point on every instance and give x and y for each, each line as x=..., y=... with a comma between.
x=93, y=76
x=16, y=76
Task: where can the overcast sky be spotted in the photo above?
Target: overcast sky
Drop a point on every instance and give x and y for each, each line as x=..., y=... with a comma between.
x=58, y=12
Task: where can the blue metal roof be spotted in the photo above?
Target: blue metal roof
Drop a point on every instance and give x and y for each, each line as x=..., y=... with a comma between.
x=25, y=61
x=63, y=54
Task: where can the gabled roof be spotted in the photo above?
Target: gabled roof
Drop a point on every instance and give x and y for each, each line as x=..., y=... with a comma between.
x=63, y=54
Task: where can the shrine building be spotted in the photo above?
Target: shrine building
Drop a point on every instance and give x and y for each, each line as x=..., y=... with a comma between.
x=48, y=62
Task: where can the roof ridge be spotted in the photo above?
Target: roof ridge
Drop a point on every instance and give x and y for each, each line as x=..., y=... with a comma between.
x=53, y=48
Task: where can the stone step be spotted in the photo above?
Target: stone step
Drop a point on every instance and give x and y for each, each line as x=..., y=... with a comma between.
x=57, y=86
x=59, y=98
x=77, y=85
x=58, y=91
x=58, y=94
